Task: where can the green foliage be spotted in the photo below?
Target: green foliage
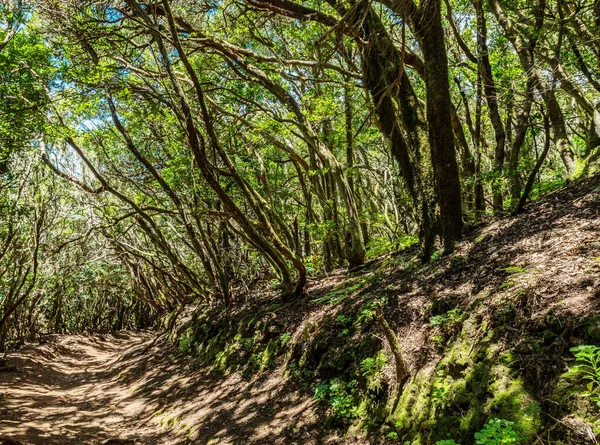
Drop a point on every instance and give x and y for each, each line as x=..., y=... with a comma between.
x=367, y=313
x=343, y=320
x=587, y=359
x=457, y=261
x=392, y=435
x=186, y=341
x=371, y=369
x=452, y=317
x=341, y=399
x=438, y=396
x=481, y=238
x=547, y=185
x=383, y=245
x=285, y=338
x=314, y=264
x=339, y=294
x=298, y=371
x=101, y=259
x=497, y=432
x=506, y=311
x=25, y=74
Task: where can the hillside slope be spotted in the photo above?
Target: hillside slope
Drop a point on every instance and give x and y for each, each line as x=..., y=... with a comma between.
x=486, y=333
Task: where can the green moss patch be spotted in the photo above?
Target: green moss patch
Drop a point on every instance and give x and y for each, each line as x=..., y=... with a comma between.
x=470, y=384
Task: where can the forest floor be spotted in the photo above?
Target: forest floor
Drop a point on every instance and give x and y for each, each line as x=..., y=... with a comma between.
x=67, y=391
x=528, y=285
x=125, y=388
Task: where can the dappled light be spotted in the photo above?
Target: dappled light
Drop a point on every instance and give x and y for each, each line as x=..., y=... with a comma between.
x=299, y=222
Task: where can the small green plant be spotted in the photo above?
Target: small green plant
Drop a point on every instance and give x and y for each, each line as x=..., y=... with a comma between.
x=393, y=435
x=186, y=342
x=481, y=238
x=246, y=343
x=367, y=313
x=446, y=442
x=453, y=316
x=371, y=369
x=438, y=340
x=343, y=320
x=438, y=396
x=507, y=311
x=587, y=359
x=381, y=246
x=447, y=324
x=298, y=371
x=285, y=338
x=457, y=261
x=321, y=391
x=507, y=284
x=497, y=432
x=435, y=256
x=340, y=294
x=514, y=269
x=341, y=398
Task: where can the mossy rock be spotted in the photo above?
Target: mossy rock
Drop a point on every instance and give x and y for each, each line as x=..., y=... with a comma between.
x=469, y=385
x=511, y=401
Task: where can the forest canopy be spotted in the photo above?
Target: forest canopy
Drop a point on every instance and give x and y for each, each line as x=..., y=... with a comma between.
x=156, y=154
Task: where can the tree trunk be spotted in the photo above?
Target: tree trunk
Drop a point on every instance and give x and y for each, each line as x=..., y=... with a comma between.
x=489, y=88
x=430, y=33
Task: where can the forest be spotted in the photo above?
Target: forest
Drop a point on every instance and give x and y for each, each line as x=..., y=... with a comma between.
x=299, y=222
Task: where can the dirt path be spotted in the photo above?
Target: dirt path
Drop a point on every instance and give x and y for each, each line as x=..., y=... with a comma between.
x=68, y=392
x=85, y=390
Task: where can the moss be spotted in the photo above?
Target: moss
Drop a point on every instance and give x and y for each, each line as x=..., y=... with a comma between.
x=414, y=406
x=264, y=358
x=471, y=383
x=170, y=421
x=191, y=432
x=481, y=238
x=511, y=401
x=596, y=427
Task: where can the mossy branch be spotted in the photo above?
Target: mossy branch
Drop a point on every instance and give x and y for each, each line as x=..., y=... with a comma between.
x=392, y=339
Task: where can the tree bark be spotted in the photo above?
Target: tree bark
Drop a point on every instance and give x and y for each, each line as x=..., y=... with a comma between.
x=491, y=95
x=430, y=33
